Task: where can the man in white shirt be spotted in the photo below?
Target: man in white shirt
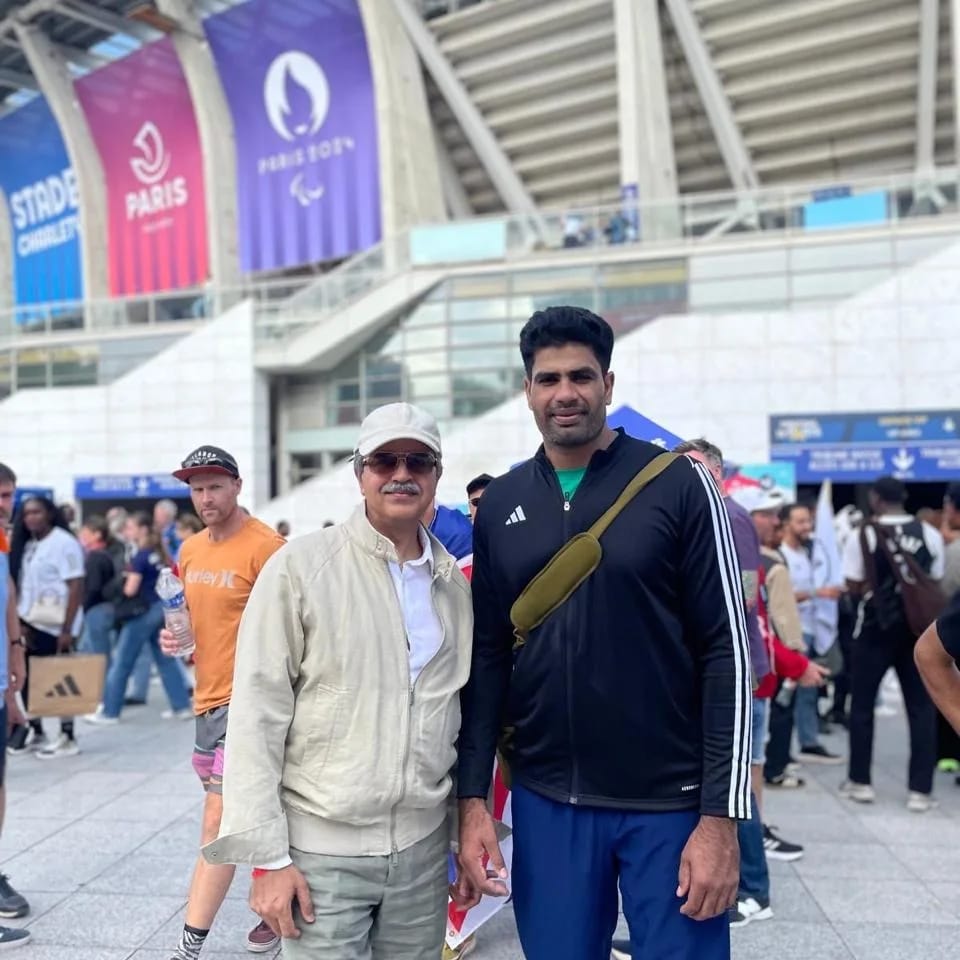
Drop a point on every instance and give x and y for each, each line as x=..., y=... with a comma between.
x=883, y=639
x=353, y=648
x=814, y=585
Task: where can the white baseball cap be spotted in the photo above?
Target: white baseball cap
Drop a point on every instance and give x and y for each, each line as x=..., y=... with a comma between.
x=397, y=421
x=755, y=499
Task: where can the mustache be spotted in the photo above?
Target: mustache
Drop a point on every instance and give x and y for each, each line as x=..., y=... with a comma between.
x=402, y=486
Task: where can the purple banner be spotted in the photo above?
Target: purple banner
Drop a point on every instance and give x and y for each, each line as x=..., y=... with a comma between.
x=297, y=78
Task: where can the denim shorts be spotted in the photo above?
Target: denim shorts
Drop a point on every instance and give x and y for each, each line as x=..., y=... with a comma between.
x=761, y=726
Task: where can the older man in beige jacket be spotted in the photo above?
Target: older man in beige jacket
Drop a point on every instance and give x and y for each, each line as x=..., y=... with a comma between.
x=345, y=714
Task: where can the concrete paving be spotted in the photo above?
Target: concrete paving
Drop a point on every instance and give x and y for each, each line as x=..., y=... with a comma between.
x=102, y=845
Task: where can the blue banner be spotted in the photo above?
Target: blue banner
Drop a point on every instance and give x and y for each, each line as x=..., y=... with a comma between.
x=140, y=486
x=919, y=445
x=42, y=196
x=640, y=427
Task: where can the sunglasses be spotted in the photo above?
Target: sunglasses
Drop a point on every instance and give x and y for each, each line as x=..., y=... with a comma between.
x=386, y=464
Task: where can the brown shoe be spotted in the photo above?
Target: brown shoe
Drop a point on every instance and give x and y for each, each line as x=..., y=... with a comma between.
x=261, y=938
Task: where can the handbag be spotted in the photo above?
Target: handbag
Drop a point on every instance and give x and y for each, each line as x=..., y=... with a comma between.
x=48, y=610
x=570, y=566
x=128, y=608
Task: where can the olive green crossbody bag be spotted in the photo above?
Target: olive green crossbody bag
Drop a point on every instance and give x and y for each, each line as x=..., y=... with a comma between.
x=575, y=560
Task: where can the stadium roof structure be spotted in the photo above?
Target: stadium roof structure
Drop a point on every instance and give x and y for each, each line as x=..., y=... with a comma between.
x=87, y=33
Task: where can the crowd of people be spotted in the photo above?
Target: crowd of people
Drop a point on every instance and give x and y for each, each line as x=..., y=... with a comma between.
x=633, y=647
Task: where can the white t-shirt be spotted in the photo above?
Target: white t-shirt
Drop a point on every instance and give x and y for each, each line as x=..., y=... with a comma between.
x=853, y=565
x=47, y=566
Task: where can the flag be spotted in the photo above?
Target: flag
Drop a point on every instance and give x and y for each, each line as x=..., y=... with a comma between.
x=827, y=569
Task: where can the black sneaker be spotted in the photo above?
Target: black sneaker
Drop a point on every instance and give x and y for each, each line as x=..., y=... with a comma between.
x=621, y=950
x=18, y=740
x=11, y=937
x=777, y=849
x=12, y=904
x=819, y=754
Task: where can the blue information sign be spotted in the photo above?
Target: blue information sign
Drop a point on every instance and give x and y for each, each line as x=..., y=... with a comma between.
x=142, y=486
x=859, y=447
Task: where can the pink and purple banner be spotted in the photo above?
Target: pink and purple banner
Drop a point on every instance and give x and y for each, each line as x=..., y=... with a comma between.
x=297, y=78
x=141, y=117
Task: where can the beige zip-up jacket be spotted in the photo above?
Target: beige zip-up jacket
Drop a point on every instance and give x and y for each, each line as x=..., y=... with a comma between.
x=329, y=749
x=781, y=603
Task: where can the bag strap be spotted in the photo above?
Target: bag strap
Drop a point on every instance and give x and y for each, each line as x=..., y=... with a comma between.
x=869, y=561
x=647, y=475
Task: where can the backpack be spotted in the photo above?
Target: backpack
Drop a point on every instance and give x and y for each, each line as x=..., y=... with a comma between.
x=916, y=599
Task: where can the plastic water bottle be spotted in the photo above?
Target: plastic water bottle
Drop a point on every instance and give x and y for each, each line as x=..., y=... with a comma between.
x=176, y=616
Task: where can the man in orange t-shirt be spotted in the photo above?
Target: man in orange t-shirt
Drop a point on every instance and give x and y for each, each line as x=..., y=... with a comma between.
x=218, y=567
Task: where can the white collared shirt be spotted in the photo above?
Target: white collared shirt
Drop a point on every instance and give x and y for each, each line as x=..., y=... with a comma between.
x=412, y=581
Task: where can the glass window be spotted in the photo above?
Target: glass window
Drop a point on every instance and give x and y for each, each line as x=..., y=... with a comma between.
x=480, y=358
x=31, y=368
x=555, y=282
x=73, y=367
x=430, y=385
x=6, y=374
x=382, y=390
x=425, y=338
x=477, y=311
x=482, y=285
x=427, y=314
x=479, y=333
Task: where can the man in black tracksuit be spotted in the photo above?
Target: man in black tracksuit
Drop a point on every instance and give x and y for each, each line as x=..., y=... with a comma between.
x=630, y=706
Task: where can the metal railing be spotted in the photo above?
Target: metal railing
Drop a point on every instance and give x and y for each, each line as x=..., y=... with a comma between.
x=285, y=306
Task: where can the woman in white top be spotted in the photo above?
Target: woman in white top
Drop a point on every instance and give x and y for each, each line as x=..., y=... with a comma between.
x=46, y=563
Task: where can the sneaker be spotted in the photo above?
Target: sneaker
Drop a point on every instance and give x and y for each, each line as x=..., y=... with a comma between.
x=793, y=766
x=748, y=910
x=63, y=746
x=185, y=714
x=261, y=938
x=100, y=718
x=859, y=792
x=11, y=938
x=948, y=765
x=621, y=950
x=778, y=849
x=134, y=702
x=465, y=947
x=916, y=803
x=12, y=904
x=786, y=781
x=819, y=754
x=25, y=740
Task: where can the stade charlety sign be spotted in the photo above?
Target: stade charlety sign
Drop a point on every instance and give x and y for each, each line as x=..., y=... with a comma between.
x=41, y=190
x=297, y=78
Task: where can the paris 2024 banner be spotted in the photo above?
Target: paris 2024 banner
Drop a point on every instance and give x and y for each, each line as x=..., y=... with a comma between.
x=297, y=79
x=142, y=121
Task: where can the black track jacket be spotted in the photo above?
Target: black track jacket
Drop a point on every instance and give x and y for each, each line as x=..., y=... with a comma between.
x=636, y=693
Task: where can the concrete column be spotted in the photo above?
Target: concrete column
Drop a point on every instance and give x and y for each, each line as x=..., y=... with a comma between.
x=505, y=178
x=955, y=62
x=646, y=136
x=411, y=189
x=215, y=125
x=50, y=69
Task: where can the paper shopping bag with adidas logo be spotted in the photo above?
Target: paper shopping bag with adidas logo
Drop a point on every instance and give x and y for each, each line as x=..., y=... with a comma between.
x=67, y=685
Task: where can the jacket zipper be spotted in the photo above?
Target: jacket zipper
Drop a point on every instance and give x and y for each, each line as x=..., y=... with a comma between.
x=411, y=694
x=568, y=664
